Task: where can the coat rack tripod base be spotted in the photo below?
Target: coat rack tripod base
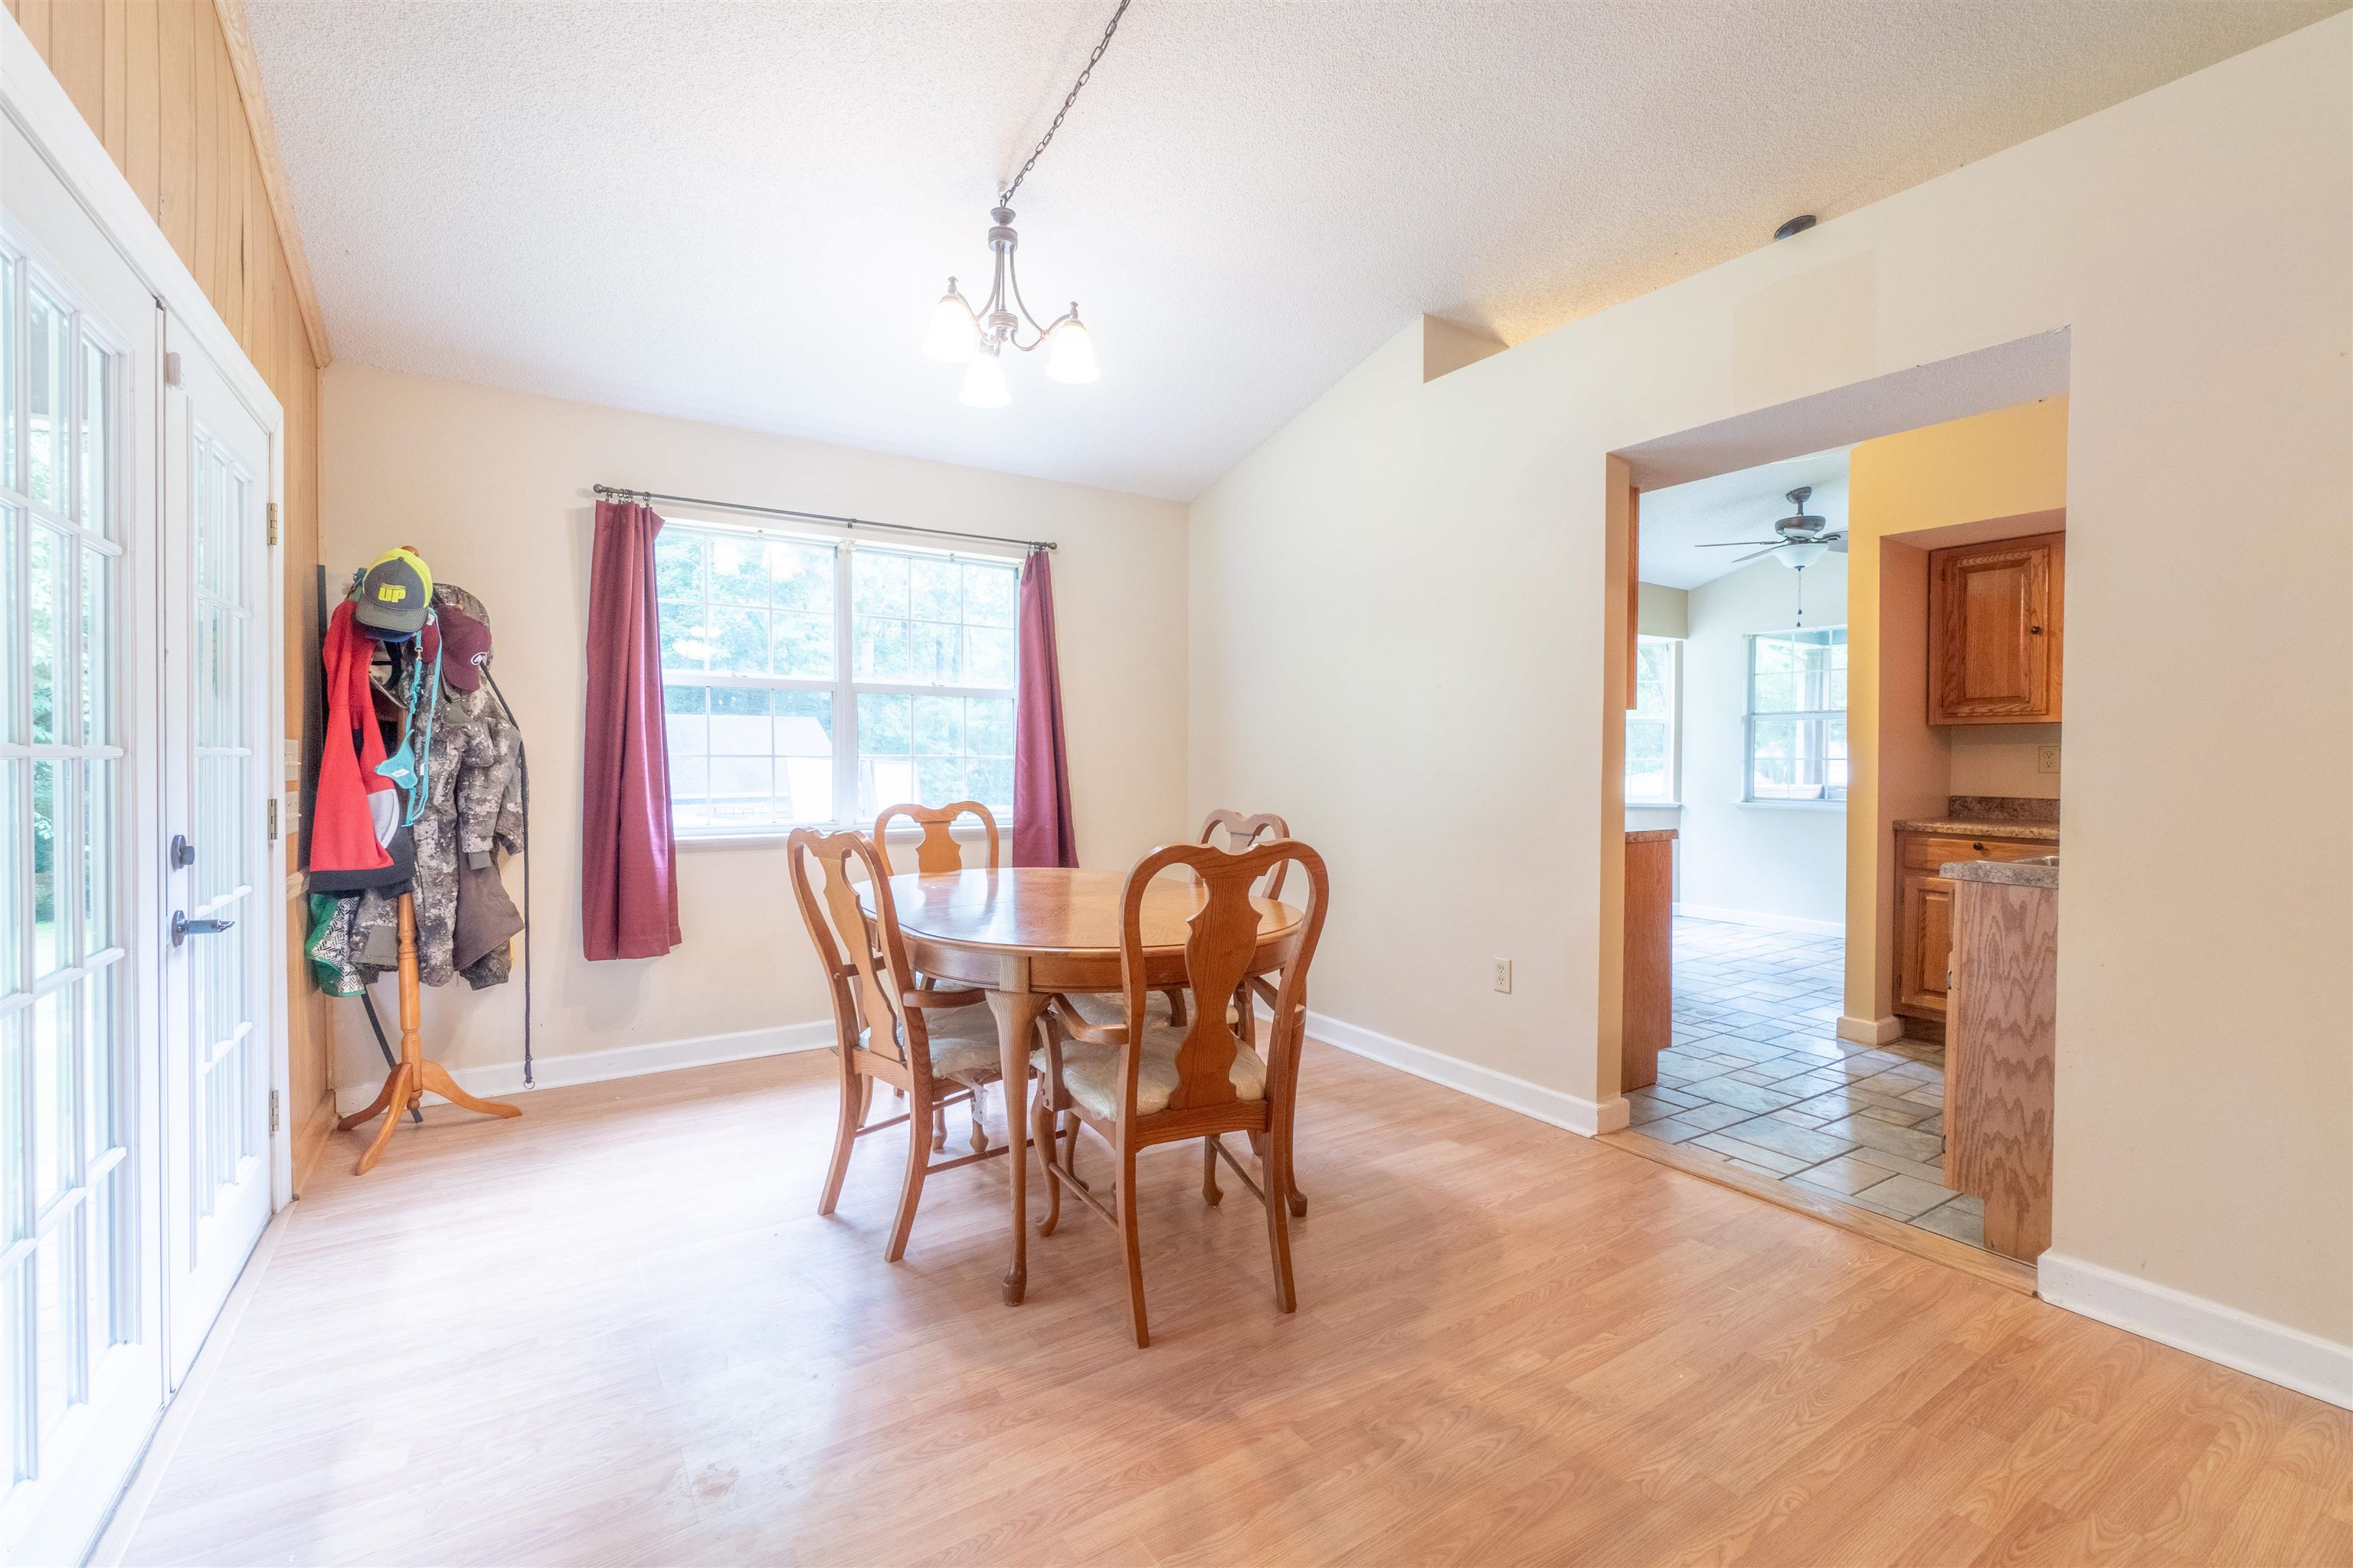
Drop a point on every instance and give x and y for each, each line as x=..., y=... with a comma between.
x=412, y=1077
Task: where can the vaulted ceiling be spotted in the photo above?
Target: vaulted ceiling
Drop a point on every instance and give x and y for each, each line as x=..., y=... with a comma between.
x=743, y=211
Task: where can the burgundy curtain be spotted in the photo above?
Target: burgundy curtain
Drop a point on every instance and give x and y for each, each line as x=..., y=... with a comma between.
x=1042, y=768
x=629, y=871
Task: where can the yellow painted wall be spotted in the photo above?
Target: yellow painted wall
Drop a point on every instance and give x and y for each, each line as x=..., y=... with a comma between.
x=1903, y=492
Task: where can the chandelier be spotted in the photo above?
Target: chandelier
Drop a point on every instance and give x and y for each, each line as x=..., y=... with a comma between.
x=977, y=339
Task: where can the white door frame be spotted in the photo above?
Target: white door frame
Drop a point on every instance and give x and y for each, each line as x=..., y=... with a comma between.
x=31, y=97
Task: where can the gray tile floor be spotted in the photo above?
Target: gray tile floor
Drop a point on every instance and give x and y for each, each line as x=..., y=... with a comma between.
x=1757, y=1072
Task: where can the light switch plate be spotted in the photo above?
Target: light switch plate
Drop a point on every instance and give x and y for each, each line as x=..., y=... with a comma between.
x=2046, y=759
x=1503, y=976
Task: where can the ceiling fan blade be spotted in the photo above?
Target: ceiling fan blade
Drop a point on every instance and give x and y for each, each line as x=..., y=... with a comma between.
x=1765, y=551
x=1837, y=542
x=1737, y=544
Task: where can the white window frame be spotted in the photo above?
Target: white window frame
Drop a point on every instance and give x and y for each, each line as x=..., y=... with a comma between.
x=1825, y=800
x=1673, y=799
x=843, y=686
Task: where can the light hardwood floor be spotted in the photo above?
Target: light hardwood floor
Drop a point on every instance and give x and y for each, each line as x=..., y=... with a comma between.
x=616, y=1332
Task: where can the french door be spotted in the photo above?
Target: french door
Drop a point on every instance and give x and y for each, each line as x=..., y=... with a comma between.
x=216, y=1024
x=139, y=914
x=81, y=1346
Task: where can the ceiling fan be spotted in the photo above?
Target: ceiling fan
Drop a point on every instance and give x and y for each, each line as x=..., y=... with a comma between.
x=1802, y=542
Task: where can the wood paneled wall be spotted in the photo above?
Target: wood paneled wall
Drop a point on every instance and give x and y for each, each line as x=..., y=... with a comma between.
x=155, y=79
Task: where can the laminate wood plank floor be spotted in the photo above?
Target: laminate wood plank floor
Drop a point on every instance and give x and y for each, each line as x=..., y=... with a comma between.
x=617, y=1332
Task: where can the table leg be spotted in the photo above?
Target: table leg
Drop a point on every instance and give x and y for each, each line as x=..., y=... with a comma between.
x=1017, y=1033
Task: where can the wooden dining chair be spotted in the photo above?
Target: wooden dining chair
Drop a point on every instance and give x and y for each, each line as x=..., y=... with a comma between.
x=1145, y=1079
x=1240, y=833
x=936, y=1046
x=938, y=854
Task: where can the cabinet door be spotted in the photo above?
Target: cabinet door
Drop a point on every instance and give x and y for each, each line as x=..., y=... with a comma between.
x=1923, y=944
x=1994, y=613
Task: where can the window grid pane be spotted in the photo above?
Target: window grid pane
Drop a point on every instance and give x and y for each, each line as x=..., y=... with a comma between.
x=1796, y=724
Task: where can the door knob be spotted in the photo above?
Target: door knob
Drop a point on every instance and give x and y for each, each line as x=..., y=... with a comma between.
x=183, y=851
x=182, y=928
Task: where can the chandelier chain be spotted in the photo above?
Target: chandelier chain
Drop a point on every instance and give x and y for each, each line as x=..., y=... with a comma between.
x=1005, y=197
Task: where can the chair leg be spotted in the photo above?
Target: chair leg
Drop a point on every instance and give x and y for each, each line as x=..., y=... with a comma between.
x=911, y=1193
x=1042, y=1132
x=939, y=1126
x=1176, y=1006
x=1209, y=1194
x=1277, y=1220
x=1134, y=1244
x=845, y=1135
x=1297, y=1199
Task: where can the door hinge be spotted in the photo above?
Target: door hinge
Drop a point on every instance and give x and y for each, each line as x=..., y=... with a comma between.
x=273, y=822
x=170, y=370
x=273, y=523
x=273, y=1110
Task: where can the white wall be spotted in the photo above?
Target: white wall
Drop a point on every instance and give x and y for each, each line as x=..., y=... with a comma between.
x=1770, y=864
x=1403, y=620
x=492, y=486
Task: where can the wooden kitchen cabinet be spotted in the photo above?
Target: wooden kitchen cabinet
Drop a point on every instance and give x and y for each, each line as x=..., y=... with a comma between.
x=1924, y=909
x=1996, y=618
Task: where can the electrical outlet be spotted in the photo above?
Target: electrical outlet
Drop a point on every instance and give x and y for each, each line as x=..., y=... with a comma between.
x=1503, y=976
x=2046, y=759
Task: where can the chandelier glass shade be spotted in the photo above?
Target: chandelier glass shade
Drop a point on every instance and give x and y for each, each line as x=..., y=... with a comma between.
x=977, y=339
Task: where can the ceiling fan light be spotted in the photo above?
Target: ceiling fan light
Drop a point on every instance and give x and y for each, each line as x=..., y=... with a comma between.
x=983, y=384
x=1072, y=357
x=1797, y=557
x=954, y=335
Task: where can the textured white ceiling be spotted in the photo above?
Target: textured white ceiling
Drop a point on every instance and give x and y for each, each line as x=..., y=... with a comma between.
x=743, y=211
x=1678, y=523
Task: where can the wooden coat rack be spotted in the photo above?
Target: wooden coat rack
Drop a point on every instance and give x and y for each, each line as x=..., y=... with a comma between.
x=404, y=1087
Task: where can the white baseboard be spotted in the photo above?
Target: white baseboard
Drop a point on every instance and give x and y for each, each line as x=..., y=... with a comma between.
x=2256, y=1346
x=1554, y=1105
x=1760, y=918
x=1870, y=1031
x=503, y=1080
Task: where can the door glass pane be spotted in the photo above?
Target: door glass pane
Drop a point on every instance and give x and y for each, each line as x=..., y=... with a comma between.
x=12, y=595
x=46, y=620
x=97, y=722
x=15, y=883
x=105, y=1247
x=53, y=1328
x=9, y=332
x=49, y=831
x=55, y=1165
x=97, y=856
x=48, y=354
x=97, y=437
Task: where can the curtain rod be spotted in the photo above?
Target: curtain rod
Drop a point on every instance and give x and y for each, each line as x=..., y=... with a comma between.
x=649, y=496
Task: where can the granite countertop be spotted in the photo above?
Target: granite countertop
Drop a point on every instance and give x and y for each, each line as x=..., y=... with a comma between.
x=1648, y=835
x=2026, y=832
x=2015, y=872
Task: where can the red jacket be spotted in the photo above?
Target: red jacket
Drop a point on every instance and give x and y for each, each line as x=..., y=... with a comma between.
x=357, y=809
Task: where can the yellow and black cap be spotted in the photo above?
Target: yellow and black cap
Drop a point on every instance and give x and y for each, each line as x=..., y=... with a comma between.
x=394, y=596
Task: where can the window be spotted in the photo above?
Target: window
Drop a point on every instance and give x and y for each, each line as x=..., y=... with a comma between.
x=1797, y=714
x=1651, y=723
x=810, y=681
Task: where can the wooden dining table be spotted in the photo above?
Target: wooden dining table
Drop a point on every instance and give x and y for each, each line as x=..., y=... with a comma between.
x=1024, y=933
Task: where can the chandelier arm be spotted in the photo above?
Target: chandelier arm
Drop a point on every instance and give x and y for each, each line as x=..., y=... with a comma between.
x=1013, y=272
x=1005, y=197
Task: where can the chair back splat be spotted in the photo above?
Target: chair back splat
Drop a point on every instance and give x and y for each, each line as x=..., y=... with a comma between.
x=938, y=854
x=1240, y=832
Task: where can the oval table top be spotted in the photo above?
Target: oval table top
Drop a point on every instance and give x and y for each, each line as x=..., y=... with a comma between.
x=1047, y=910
